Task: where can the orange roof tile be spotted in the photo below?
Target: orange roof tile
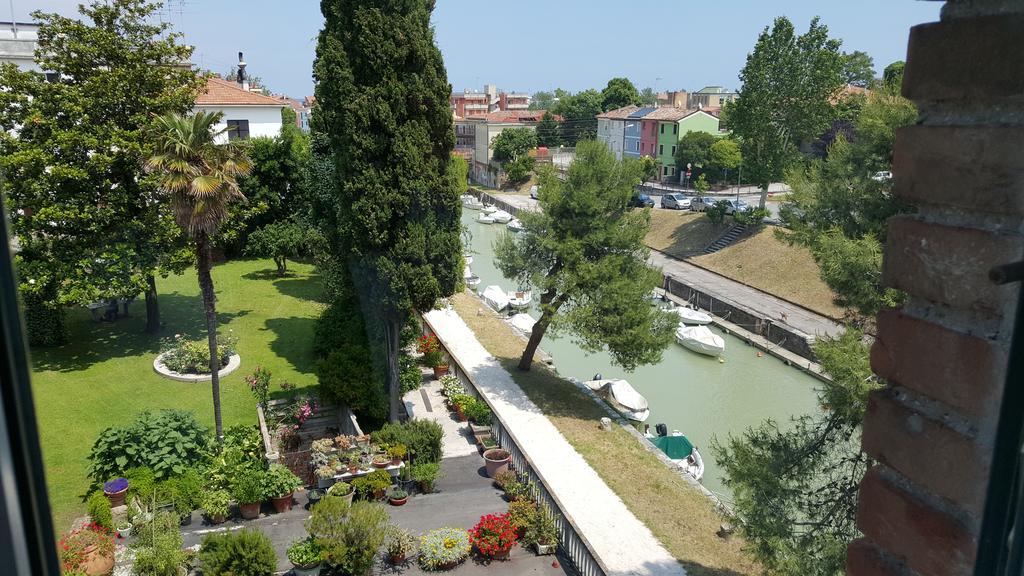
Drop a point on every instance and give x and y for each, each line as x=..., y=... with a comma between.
x=220, y=92
x=619, y=113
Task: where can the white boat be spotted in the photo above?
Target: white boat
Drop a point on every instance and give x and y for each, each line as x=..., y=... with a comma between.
x=467, y=258
x=688, y=315
x=523, y=322
x=701, y=339
x=656, y=298
x=471, y=202
x=495, y=297
x=515, y=225
x=489, y=209
x=622, y=397
x=520, y=299
x=484, y=218
x=501, y=217
x=681, y=451
x=469, y=278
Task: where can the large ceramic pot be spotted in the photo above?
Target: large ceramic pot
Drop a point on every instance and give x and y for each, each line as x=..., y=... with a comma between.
x=503, y=555
x=309, y=570
x=97, y=563
x=250, y=511
x=397, y=559
x=116, y=498
x=283, y=503
x=545, y=549
x=496, y=460
x=398, y=501
x=440, y=370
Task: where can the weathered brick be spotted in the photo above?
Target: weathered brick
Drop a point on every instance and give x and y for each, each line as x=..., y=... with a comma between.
x=977, y=168
x=926, y=451
x=969, y=59
x=949, y=264
x=863, y=558
x=909, y=350
x=927, y=540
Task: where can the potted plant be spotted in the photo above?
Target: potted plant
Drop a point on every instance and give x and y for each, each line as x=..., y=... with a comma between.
x=542, y=531
x=496, y=460
x=459, y=402
x=504, y=478
x=430, y=347
x=397, y=496
x=343, y=442
x=381, y=461
x=115, y=491
x=378, y=482
x=425, y=475
x=325, y=476
x=397, y=453
x=493, y=536
x=354, y=460
x=451, y=386
x=281, y=484
x=88, y=550
x=363, y=441
x=516, y=491
x=444, y=548
x=479, y=416
x=216, y=504
x=342, y=490
x=520, y=514
x=248, y=490
x=399, y=544
x=305, y=556
x=124, y=529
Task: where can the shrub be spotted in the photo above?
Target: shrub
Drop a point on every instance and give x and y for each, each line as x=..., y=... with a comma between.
x=443, y=547
x=259, y=384
x=345, y=379
x=716, y=213
x=409, y=375
x=280, y=481
x=520, y=490
x=753, y=216
x=167, y=442
x=426, y=472
x=367, y=486
x=184, y=490
x=98, y=508
x=478, y=413
x=493, y=535
x=193, y=356
x=216, y=503
x=247, y=552
x=304, y=553
x=141, y=483
x=249, y=487
x=504, y=478
x=542, y=528
x=521, y=513
x=340, y=326
x=349, y=536
x=399, y=542
x=421, y=437
x=73, y=546
x=157, y=547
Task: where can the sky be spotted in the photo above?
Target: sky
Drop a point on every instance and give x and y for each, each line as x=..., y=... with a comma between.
x=530, y=45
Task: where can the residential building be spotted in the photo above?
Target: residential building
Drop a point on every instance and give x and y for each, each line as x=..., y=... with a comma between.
x=245, y=114
x=648, y=134
x=486, y=128
x=513, y=101
x=710, y=97
x=675, y=98
x=469, y=103
x=611, y=127
x=632, y=132
x=18, y=42
x=302, y=110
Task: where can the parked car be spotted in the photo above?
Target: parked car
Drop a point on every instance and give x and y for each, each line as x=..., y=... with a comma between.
x=641, y=201
x=702, y=203
x=675, y=201
x=882, y=176
x=734, y=206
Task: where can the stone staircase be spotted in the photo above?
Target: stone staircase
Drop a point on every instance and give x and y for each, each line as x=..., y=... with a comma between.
x=726, y=239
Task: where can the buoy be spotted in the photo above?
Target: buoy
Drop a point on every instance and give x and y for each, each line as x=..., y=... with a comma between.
x=721, y=360
x=759, y=354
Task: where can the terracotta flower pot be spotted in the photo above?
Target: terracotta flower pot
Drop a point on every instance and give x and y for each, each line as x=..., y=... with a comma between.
x=397, y=558
x=116, y=498
x=503, y=555
x=460, y=413
x=384, y=464
x=220, y=519
x=496, y=460
x=398, y=501
x=440, y=371
x=250, y=511
x=310, y=570
x=283, y=503
x=97, y=563
x=353, y=468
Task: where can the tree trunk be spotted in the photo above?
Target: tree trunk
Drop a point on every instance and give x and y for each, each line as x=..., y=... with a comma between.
x=209, y=307
x=550, y=308
x=282, y=265
x=152, y=307
x=392, y=334
x=764, y=195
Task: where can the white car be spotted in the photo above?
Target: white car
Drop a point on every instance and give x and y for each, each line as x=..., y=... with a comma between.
x=882, y=176
x=675, y=201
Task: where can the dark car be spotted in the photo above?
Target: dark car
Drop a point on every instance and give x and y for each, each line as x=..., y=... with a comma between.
x=641, y=201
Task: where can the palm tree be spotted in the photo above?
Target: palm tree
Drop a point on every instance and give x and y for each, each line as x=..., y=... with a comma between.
x=201, y=178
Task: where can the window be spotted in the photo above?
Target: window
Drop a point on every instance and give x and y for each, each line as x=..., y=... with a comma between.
x=661, y=149
x=664, y=171
x=238, y=129
x=675, y=129
x=662, y=128
x=638, y=146
x=673, y=150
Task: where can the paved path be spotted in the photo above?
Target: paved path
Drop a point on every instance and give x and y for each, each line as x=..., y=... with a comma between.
x=722, y=288
x=427, y=403
x=623, y=544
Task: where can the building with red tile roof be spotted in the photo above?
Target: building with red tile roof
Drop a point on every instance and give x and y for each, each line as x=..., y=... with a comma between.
x=245, y=114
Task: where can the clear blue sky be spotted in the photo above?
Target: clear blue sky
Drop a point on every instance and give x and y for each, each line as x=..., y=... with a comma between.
x=531, y=45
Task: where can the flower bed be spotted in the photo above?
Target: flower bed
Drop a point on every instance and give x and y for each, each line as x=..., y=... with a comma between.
x=189, y=361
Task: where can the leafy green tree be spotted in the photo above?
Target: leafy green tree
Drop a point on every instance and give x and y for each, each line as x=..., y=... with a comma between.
x=858, y=69
x=201, y=178
x=459, y=174
x=511, y=143
x=648, y=168
x=542, y=100
x=892, y=77
x=789, y=83
x=290, y=238
x=618, y=93
x=579, y=115
x=795, y=487
x=584, y=254
x=519, y=170
x=72, y=155
x=701, y=185
x=395, y=208
x=547, y=131
x=724, y=156
x=648, y=97
x=694, y=148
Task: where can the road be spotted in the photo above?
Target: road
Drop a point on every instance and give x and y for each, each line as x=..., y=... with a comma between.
x=524, y=202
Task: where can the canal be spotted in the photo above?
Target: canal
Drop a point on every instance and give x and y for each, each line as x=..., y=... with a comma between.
x=695, y=394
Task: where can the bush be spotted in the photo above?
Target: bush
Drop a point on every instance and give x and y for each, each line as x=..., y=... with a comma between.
x=340, y=325
x=344, y=378
x=158, y=549
x=193, y=356
x=305, y=552
x=444, y=546
x=478, y=412
x=249, y=487
x=521, y=513
x=366, y=486
x=349, y=536
x=247, y=552
x=542, y=528
x=421, y=437
x=751, y=216
x=409, y=375
x=716, y=213
x=280, y=481
x=44, y=321
x=98, y=508
x=141, y=484
x=184, y=491
x=167, y=442
x=216, y=503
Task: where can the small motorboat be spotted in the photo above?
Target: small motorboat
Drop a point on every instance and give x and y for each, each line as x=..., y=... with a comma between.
x=514, y=225
x=701, y=339
x=680, y=450
x=656, y=297
x=622, y=397
x=469, y=278
x=523, y=322
x=501, y=217
x=467, y=257
x=688, y=315
x=489, y=209
x=495, y=297
x=471, y=202
x=520, y=299
x=485, y=218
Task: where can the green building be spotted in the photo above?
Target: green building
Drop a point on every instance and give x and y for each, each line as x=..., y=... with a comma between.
x=668, y=126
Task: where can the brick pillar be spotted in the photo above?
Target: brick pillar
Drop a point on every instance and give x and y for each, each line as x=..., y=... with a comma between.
x=945, y=353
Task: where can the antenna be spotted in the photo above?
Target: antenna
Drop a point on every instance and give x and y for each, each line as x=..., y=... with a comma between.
x=14, y=21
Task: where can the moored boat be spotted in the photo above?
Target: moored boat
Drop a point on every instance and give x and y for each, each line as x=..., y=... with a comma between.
x=501, y=217
x=485, y=218
x=523, y=322
x=681, y=451
x=495, y=297
x=520, y=299
x=688, y=315
x=701, y=339
x=514, y=225
x=471, y=202
x=489, y=209
x=622, y=397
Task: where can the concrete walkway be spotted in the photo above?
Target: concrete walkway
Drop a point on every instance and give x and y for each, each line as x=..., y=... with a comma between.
x=620, y=542
x=722, y=288
x=427, y=403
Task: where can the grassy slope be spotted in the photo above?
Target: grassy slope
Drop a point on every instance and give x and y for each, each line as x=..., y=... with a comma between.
x=105, y=375
x=679, y=516
x=763, y=261
x=682, y=233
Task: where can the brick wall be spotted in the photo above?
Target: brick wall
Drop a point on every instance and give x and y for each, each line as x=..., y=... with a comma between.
x=945, y=354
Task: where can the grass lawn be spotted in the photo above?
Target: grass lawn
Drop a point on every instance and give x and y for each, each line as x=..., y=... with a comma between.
x=105, y=376
x=680, y=233
x=763, y=261
x=682, y=519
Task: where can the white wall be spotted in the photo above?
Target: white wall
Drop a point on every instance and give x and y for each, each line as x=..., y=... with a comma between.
x=263, y=120
x=611, y=132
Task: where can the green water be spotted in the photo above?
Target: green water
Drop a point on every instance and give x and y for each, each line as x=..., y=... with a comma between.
x=690, y=392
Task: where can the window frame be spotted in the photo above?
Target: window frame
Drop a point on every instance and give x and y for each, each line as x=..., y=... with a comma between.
x=234, y=129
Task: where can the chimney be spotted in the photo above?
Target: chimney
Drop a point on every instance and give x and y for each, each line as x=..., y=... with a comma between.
x=242, y=79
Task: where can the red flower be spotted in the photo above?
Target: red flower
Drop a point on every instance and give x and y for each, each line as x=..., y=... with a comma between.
x=493, y=535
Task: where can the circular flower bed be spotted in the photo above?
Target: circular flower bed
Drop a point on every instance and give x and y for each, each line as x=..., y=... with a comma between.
x=189, y=361
x=444, y=548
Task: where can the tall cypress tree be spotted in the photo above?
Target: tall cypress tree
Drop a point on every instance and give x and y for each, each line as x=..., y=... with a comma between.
x=382, y=96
